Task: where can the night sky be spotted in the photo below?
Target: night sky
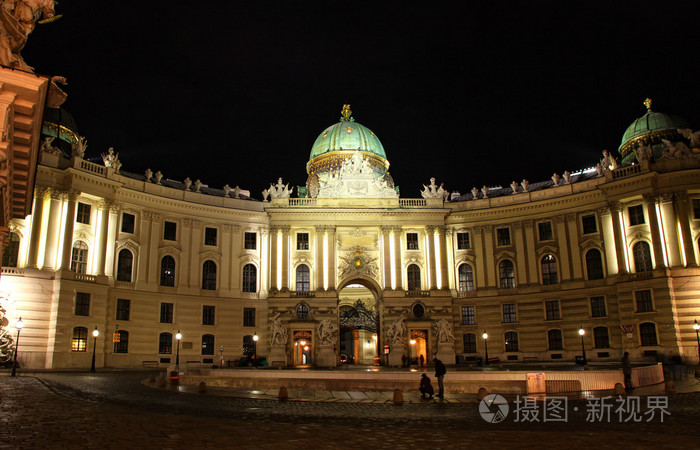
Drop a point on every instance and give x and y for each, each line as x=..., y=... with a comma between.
x=472, y=94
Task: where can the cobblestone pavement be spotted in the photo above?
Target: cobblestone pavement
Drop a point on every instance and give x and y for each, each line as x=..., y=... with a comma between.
x=109, y=410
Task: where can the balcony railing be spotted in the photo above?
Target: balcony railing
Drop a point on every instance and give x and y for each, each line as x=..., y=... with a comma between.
x=417, y=293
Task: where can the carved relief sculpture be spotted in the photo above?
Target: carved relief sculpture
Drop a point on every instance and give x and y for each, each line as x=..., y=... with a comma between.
x=396, y=332
x=443, y=331
x=278, y=332
x=327, y=332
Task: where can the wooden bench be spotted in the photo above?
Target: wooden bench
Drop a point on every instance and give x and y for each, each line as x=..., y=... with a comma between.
x=150, y=364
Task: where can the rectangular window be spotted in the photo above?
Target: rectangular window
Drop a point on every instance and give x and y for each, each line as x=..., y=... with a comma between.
x=83, y=215
x=210, y=236
x=503, y=236
x=463, y=241
x=589, y=224
x=509, y=314
x=598, y=307
x=643, y=300
x=128, y=223
x=250, y=241
x=82, y=304
x=552, y=310
x=208, y=314
x=636, y=214
x=79, y=342
x=302, y=241
x=170, y=231
x=545, y=231
x=468, y=315
x=123, y=309
x=469, y=343
x=601, y=337
x=121, y=345
x=248, y=317
x=412, y=241
x=696, y=208
x=166, y=313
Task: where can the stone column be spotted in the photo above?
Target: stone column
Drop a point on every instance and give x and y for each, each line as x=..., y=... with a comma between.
x=681, y=200
x=563, y=248
x=70, y=226
x=285, y=257
x=274, y=260
x=195, y=269
x=264, y=274
x=480, y=258
x=226, y=256
x=155, y=235
x=656, y=242
x=668, y=219
x=442, y=247
x=398, y=260
x=318, y=256
x=112, y=234
x=430, y=256
x=53, y=230
x=37, y=216
x=533, y=264
x=386, y=255
x=332, y=263
x=620, y=241
x=488, y=261
x=234, y=251
x=104, y=230
x=142, y=267
x=521, y=255
x=451, y=279
x=606, y=225
x=576, y=268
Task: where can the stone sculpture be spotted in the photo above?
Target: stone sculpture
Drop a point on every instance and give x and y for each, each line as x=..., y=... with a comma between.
x=148, y=174
x=280, y=190
x=443, y=331
x=396, y=332
x=433, y=191
x=567, y=176
x=197, y=185
x=475, y=193
x=17, y=20
x=514, y=186
x=7, y=344
x=356, y=178
x=278, y=332
x=524, y=184
x=692, y=136
x=111, y=159
x=78, y=148
x=675, y=150
x=643, y=153
x=327, y=331
x=555, y=179
x=608, y=162
x=485, y=191
x=158, y=176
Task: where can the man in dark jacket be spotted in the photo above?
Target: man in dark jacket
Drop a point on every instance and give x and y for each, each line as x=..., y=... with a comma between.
x=440, y=371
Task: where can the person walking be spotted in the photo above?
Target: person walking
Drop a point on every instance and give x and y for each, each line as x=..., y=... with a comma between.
x=440, y=372
x=627, y=371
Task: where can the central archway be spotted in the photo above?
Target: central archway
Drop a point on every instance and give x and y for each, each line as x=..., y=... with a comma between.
x=359, y=308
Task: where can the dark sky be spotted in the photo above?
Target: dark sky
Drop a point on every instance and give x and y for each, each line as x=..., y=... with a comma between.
x=471, y=93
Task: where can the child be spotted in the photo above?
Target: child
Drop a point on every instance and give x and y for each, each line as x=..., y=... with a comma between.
x=425, y=386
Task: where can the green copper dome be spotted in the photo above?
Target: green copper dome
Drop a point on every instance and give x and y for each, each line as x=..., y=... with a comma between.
x=649, y=130
x=347, y=135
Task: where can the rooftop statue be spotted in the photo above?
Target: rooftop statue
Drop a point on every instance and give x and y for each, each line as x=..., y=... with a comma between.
x=356, y=178
x=692, y=136
x=675, y=150
x=111, y=159
x=280, y=190
x=78, y=148
x=643, y=153
x=17, y=20
x=433, y=191
x=608, y=162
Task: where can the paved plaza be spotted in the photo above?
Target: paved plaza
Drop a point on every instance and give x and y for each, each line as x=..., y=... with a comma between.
x=123, y=409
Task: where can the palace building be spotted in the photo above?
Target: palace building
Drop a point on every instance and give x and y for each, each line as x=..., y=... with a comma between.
x=339, y=270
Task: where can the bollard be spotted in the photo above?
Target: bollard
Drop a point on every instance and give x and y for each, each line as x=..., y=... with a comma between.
x=619, y=389
x=483, y=392
x=398, y=396
x=202, y=387
x=283, y=395
x=670, y=387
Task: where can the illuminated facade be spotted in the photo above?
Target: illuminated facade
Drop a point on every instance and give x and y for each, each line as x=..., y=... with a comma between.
x=348, y=266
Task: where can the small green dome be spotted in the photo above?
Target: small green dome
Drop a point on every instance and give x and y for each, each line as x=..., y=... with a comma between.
x=649, y=130
x=347, y=135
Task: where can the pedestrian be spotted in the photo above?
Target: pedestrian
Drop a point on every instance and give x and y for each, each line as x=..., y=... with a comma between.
x=440, y=372
x=422, y=360
x=425, y=386
x=627, y=371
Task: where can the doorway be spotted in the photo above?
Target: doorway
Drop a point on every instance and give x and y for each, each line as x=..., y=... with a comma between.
x=302, y=348
x=418, y=346
x=357, y=315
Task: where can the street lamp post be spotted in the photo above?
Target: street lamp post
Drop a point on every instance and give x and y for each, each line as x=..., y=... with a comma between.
x=255, y=349
x=19, y=325
x=486, y=347
x=178, y=336
x=581, y=332
x=95, y=333
x=696, y=327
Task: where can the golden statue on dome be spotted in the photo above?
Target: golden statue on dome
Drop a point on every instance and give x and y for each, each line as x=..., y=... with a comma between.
x=647, y=103
x=346, y=113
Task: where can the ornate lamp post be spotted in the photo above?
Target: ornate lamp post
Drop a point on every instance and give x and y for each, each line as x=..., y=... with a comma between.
x=696, y=327
x=178, y=336
x=486, y=347
x=95, y=333
x=19, y=325
x=582, y=332
x=255, y=348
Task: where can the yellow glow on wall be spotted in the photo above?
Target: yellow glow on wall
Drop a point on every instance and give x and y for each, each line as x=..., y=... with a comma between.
x=427, y=259
x=392, y=260
x=43, y=234
x=278, y=261
x=325, y=261
x=661, y=234
x=680, y=239
x=623, y=233
x=24, y=243
x=62, y=235
x=96, y=246
x=438, y=267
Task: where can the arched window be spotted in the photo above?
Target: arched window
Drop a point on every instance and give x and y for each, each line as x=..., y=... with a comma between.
x=78, y=261
x=122, y=344
x=511, y=341
x=165, y=343
x=469, y=343
x=209, y=275
x=303, y=278
x=594, y=265
x=601, y=337
x=167, y=271
x=250, y=278
x=413, y=272
x=79, y=343
x=208, y=344
x=11, y=254
x=507, y=274
x=549, y=270
x=647, y=333
x=642, y=257
x=125, y=262
x=555, y=340
x=302, y=311
x=466, y=278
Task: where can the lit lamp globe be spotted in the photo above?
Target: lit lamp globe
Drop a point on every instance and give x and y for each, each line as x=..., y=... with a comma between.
x=581, y=331
x=485, y=336
x=255, y=337
x=178, y=336
x=95, y=332
x=696, y=325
